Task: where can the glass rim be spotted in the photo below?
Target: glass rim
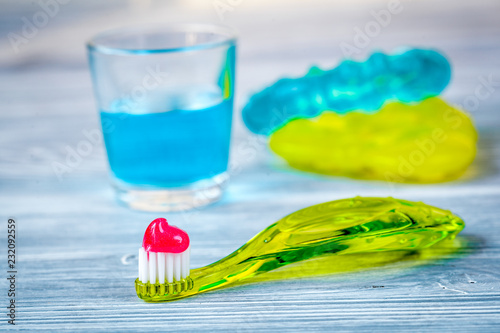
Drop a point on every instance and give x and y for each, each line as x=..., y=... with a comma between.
x=229, y=33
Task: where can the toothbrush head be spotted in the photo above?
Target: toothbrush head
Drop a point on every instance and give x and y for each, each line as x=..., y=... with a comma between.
x=163, y=261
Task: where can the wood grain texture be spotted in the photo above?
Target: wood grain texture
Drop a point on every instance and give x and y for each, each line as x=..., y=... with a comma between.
x=76, y=246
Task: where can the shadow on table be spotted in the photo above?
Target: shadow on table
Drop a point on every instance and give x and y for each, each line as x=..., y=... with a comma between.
x=338, y=264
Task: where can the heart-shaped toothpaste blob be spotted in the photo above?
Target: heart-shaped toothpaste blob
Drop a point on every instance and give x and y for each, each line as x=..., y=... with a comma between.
x=161, y=237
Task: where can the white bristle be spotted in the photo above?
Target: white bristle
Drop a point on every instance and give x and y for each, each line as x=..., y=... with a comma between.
x=170, y=267
x=152, y=267
x=185, y=263
x=161, y=266
x=143, y=266
x=177, y=266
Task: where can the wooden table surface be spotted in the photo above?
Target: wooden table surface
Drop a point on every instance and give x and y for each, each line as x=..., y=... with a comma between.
x=76, y=245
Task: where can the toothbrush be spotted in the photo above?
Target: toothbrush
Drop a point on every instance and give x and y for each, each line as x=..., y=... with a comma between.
x=357, y=225
x=164, y=256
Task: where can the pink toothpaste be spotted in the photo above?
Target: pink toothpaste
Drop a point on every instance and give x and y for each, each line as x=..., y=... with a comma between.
x=164, y=255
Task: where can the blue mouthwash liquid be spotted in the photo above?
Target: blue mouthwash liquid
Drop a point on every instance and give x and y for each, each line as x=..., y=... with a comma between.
x=174, y=147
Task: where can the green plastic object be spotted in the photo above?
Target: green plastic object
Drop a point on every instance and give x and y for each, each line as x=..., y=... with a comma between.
x=348, y=226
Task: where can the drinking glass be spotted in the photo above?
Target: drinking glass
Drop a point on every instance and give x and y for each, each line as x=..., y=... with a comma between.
x=165, y=97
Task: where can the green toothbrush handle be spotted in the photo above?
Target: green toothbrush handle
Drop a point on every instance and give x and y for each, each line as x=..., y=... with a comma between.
x=346, y=226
